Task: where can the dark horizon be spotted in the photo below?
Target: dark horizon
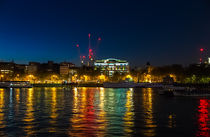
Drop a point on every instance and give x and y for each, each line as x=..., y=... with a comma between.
x=161, y=32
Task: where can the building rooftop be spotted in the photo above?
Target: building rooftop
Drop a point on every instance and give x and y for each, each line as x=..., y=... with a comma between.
x=111, y=60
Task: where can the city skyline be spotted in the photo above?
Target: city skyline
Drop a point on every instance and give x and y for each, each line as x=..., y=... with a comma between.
x=105, y=68
x=160, y=32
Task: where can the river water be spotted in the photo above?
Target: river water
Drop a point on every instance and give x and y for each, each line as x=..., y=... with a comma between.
x=101, y=112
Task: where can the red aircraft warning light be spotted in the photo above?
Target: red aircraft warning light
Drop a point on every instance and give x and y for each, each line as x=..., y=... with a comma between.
x=201, y=49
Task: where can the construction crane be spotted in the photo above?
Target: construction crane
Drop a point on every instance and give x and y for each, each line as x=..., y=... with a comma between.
x=91, y=53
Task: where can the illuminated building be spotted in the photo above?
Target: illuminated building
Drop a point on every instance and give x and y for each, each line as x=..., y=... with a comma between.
x=32, y=68
x=111, y=65
x=209, y=60
x=64, y=68
x=6, y=69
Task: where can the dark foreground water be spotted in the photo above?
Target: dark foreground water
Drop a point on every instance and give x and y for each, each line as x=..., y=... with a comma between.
x=101, y=112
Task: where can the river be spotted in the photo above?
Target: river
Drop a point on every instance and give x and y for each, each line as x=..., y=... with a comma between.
x=101, y=112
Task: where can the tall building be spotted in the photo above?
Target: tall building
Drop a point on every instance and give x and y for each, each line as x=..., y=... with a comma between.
x=32, y=68
x=49, y=68
x=65, y=67
x=209, y=60
x=111, y=65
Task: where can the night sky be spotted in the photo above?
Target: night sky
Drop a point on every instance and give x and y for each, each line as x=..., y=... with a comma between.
x=160, y=31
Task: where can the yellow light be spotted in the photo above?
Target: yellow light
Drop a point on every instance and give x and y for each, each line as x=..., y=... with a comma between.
x=129, y=76
x=54, y=76
x=147, y=78
x=31, y=76
x=75, y=89
x=173, y=76
x=85, y=77
x=102, y=77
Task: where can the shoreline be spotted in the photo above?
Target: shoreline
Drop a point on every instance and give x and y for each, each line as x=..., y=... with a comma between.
x=69, y=85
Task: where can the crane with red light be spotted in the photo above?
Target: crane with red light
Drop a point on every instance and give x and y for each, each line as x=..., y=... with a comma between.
x=82, y=58
x=97, y=45
x=91, y=53
x=203, y=56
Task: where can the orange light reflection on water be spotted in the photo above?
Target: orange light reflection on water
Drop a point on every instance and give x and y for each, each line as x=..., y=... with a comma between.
x=148, y=110
x=53, y=105
x=85, y=120
x=2, y=103
x=102, y=114
x=129, y=114
x=17, y=99
x=29, y=115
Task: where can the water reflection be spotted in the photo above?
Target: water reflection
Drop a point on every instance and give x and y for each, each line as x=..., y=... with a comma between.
x=115, y=101
x=10, y=115
x=29, y=114
x=53, y=113
x=2, y=105
x=203, y=118
x=129, y=114
x=88, y=113
x=148, y=112
x=98, y=112
x=17, y=101
x=102, y=113
x=172, y=121
x=53, y=106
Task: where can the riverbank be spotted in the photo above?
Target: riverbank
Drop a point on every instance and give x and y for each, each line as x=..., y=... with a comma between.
x=69, y=85
x=197, y=86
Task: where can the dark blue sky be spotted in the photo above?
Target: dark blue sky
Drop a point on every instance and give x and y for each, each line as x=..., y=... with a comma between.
x=159, y=31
